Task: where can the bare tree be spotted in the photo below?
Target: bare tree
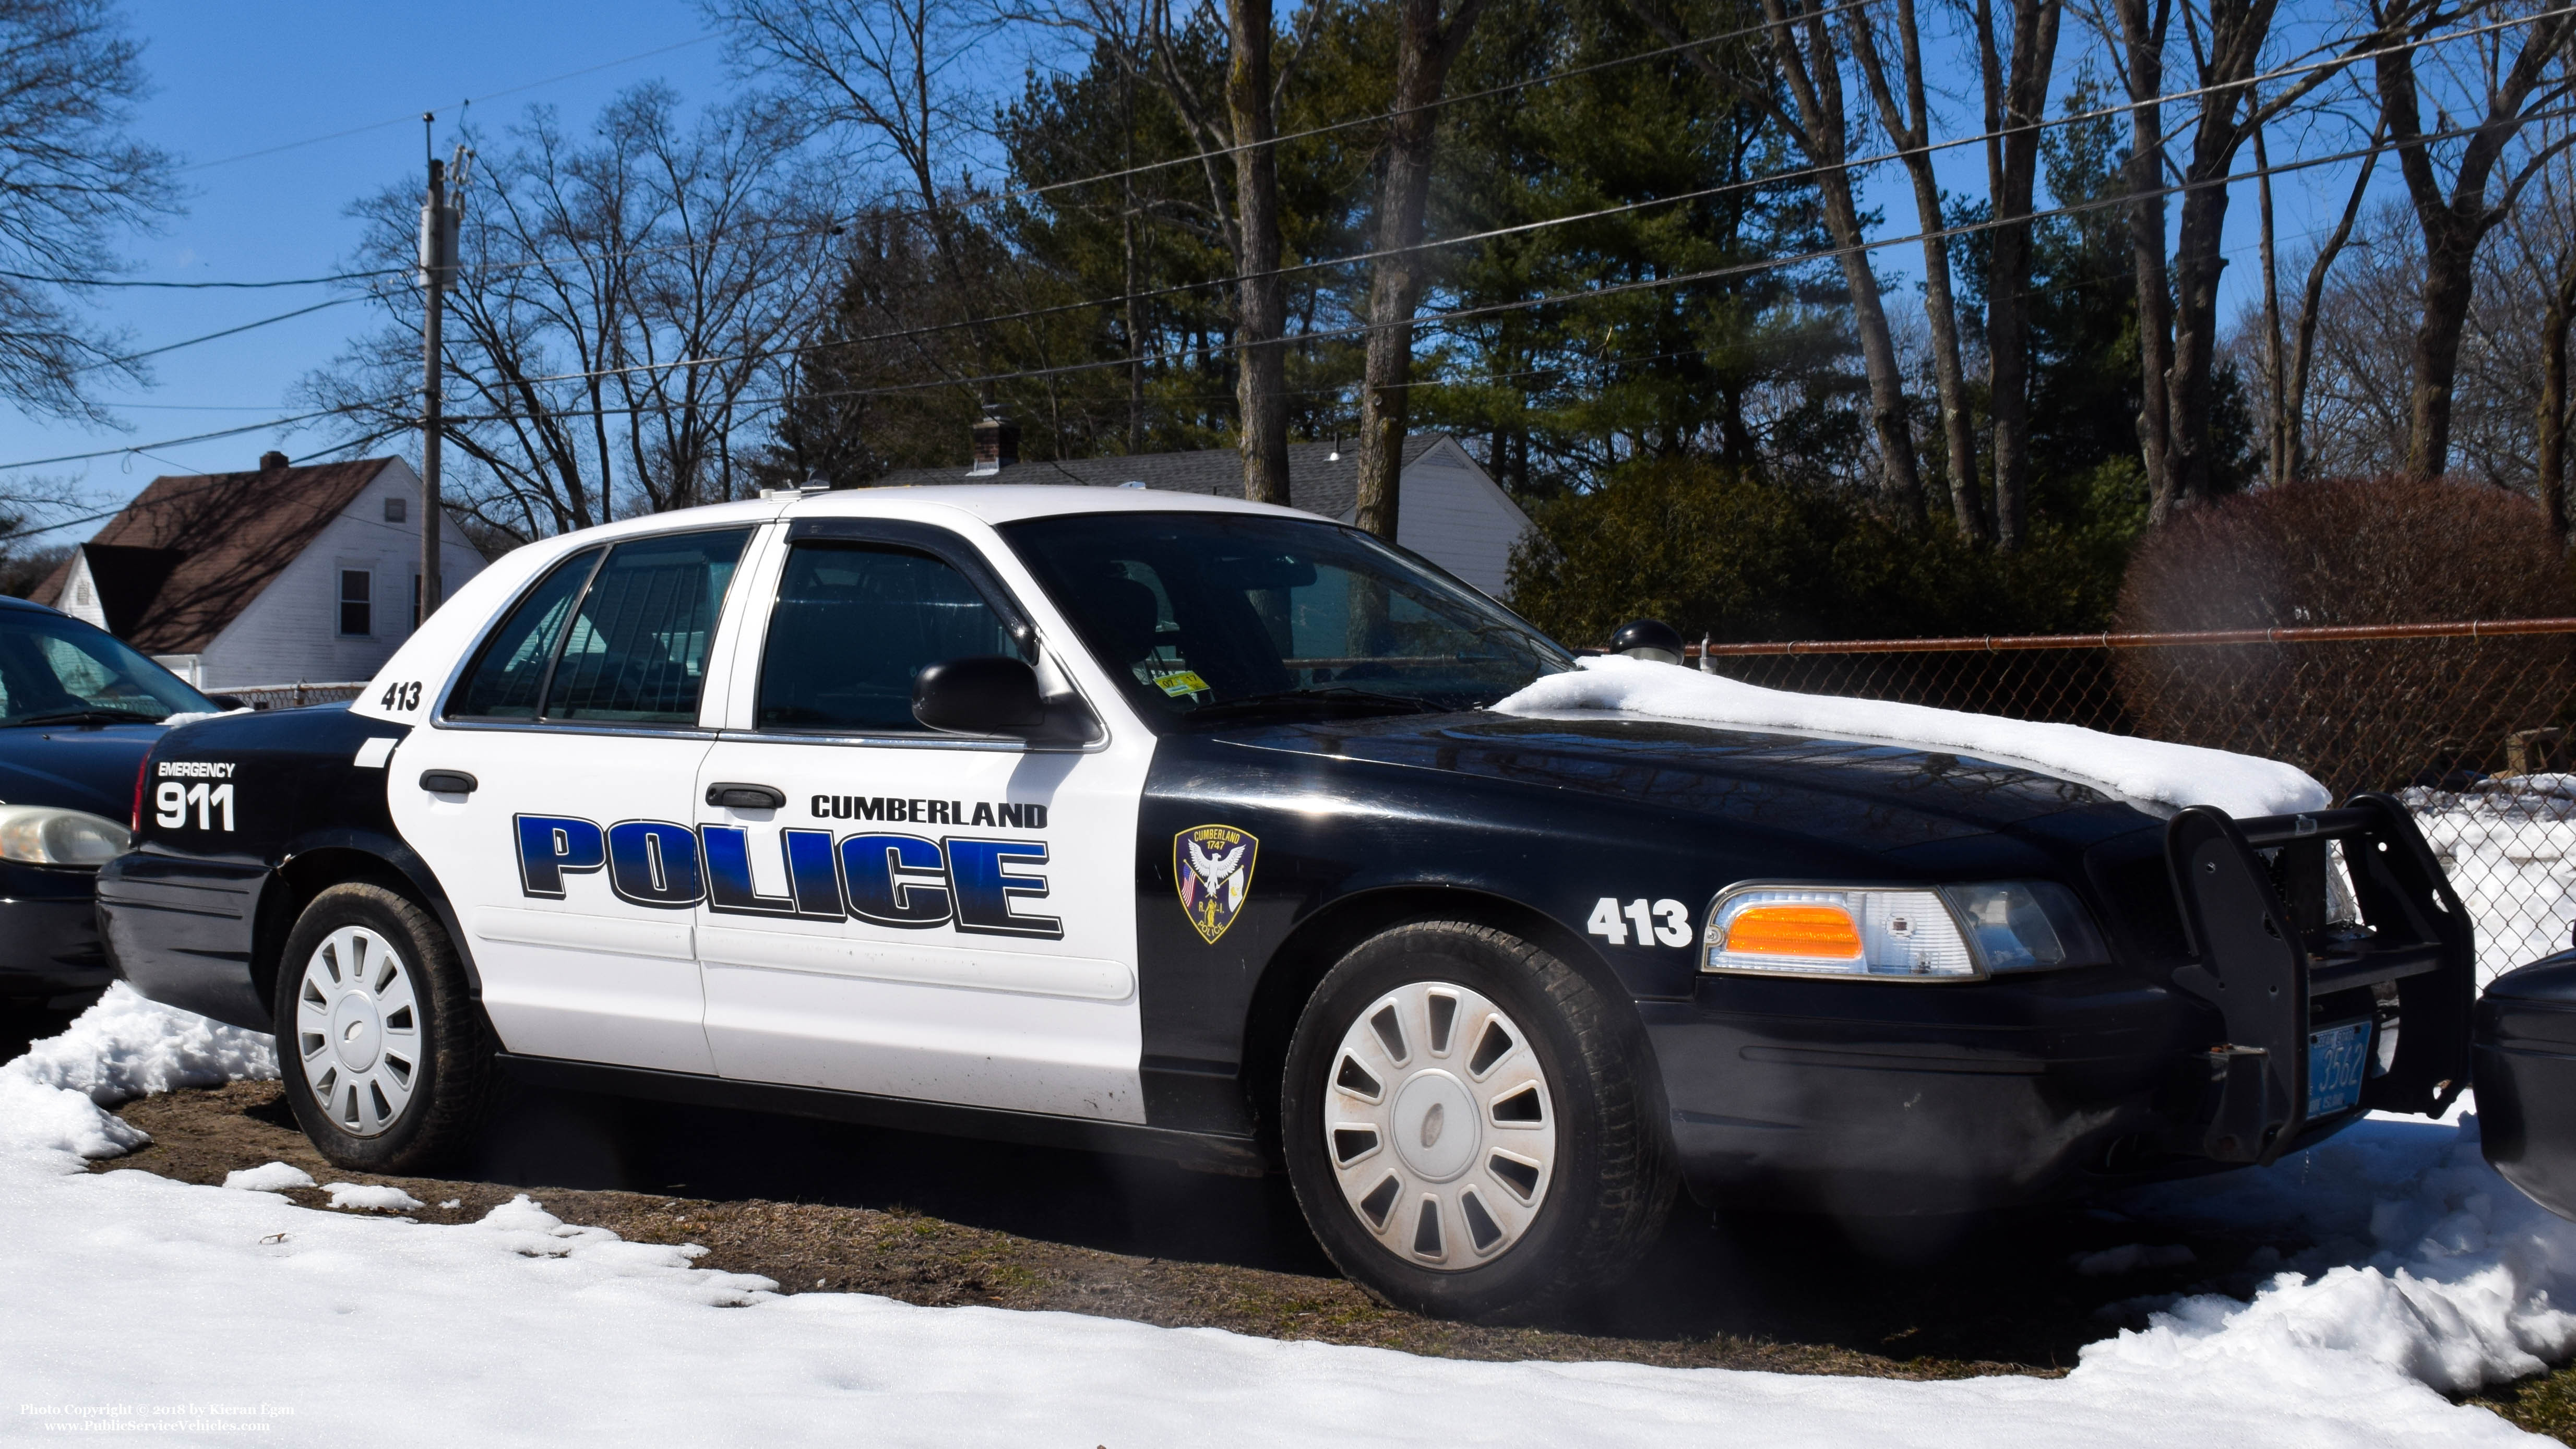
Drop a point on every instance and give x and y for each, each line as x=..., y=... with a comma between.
x=1251, y=103
x=2016, y=95
x=71, y=180
x=2520, y=70
x=1908, y=122
x=2178, y=305
x=1427, y=44
x=1802, y=57
x=627, y=306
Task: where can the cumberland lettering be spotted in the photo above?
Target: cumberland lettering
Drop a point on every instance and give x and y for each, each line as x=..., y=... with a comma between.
x=929, y=812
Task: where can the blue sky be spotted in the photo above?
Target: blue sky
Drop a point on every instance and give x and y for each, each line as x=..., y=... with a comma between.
x=283, y=112
x=234, y=78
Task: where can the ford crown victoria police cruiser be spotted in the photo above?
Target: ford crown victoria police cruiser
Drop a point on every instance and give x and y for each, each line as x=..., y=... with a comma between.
x=1181, y=826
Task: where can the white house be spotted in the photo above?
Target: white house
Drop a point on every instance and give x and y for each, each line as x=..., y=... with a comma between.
x=1448, y=509
x=272, y=576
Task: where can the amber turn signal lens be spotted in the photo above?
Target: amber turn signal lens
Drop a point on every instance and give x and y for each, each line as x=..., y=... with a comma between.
x=1810, y=932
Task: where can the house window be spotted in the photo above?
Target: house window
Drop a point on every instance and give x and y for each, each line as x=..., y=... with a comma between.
x=86, y=596
x=356, y=617
x=396, y=508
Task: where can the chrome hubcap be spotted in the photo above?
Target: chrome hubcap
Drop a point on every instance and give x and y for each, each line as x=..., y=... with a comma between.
x=1439, y=1126
x=357, y=1030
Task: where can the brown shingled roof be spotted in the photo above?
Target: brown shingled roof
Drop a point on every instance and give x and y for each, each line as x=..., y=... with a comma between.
x=191, y=552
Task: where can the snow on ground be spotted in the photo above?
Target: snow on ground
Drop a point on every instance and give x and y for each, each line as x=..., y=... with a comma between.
x=148, y=1305
x=2152, y=773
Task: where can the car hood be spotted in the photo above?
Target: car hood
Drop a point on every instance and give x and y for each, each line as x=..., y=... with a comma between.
x=1876, y=796
x=77, y=767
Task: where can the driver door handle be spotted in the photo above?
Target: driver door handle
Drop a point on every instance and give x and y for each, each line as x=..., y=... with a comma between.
x=731, y=795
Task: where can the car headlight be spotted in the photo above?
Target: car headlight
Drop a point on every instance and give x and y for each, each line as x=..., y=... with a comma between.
x=45, y=835
x=1960, y=932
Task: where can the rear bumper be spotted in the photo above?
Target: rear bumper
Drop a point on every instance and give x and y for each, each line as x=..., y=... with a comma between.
x=49, y=932
x=181, y=930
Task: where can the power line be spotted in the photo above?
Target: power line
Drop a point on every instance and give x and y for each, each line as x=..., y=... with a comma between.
x=1445, y=319
x=1448, y=319
x=1767, y=179
x=103, y=282
x=413, y=117
x=211, y=336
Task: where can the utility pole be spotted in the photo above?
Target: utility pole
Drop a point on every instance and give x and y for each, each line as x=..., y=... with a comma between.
x=437, y=272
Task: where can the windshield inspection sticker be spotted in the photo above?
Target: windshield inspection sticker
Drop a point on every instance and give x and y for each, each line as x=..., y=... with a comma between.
x=1183, y=682
x=1213, y=867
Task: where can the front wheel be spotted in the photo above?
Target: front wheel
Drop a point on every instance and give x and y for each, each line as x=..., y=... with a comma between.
x=1463, y=1127
x=385, y=1058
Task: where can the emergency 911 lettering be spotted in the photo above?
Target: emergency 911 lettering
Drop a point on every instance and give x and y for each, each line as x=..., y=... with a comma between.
x=886, y=879
x=213, y=804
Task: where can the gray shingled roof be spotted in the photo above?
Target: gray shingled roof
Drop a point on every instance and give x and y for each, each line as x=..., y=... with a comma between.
x=1317, y=482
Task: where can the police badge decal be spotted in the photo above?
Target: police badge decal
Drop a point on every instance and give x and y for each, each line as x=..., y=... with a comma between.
x=1212, y=864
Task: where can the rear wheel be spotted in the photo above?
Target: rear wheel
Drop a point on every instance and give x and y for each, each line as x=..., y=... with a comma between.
x=386, y=1061
x=1463, y=1128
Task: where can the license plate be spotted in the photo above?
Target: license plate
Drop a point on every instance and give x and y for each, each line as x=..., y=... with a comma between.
x=2336, y=1058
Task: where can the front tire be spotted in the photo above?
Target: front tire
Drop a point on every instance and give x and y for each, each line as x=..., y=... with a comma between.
x=1464, y=1128
x=386, y=1060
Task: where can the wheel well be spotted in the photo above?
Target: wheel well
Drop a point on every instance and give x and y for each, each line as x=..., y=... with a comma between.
x=299, y=880
x=1324, y=938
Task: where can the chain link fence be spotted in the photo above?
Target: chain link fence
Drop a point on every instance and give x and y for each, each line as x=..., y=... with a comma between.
x=2468, y=723
x=293, y=696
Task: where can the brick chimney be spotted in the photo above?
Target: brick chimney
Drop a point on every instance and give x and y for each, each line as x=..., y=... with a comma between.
x=997, y=442
x=271, y=461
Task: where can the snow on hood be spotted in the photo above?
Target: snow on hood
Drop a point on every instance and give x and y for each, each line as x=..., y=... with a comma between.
x=2157, y=777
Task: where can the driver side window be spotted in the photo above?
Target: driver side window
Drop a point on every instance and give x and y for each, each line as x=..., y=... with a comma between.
x=854, y=623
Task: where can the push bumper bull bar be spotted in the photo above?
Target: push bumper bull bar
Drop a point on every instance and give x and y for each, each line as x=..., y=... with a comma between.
x=2255, y=901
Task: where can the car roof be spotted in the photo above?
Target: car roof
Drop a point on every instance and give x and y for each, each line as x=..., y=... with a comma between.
x=1011, y=502
x=30, y=605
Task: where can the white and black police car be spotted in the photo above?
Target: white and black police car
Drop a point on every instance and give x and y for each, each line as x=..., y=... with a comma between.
x=1180, y=826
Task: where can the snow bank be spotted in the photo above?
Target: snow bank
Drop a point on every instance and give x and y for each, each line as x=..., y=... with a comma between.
x=2426, y=1264
x=123, y=1047
x=523, y=1329
x=2149, y=773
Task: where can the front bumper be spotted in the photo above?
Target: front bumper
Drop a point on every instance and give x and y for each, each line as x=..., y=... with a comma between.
x=1875, y=1098
x=49, y=932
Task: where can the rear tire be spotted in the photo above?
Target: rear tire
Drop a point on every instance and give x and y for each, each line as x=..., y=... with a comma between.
x=1464, y=1126
x=386, y=1060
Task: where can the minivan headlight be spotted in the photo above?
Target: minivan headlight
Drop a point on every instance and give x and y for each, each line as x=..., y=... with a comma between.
x=1959, y=932
x=46, y=835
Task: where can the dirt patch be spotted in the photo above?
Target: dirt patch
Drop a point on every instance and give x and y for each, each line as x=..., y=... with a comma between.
x=824, y=1207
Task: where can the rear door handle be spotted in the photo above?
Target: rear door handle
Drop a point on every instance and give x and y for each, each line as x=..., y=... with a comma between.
x=447, y=782
x=730, y=795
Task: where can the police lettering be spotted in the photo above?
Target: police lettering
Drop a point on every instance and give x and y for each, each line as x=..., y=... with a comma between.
x=908, y=881
x=902, y=810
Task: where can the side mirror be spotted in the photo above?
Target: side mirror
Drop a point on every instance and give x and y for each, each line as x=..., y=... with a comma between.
x=985, y=694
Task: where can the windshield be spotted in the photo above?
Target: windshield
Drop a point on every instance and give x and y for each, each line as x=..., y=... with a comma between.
x=52, y=667
x=1213, y=616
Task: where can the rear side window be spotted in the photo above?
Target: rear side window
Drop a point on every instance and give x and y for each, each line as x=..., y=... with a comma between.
x=853, y=625
x=637, y=649
x=625, y=641
x=510, y=675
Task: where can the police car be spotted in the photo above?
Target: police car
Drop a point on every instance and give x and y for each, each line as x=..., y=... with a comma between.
x=1181, y=826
